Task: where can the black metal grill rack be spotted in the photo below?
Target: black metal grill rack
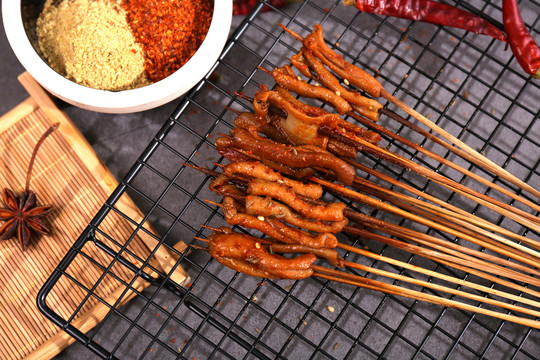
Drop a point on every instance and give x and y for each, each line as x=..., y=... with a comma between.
x=466, y=83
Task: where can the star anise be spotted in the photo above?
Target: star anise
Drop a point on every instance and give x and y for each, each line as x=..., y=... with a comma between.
x=21, y=215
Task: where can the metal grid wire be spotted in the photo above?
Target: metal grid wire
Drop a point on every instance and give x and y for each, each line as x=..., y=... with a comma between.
x=466, y=83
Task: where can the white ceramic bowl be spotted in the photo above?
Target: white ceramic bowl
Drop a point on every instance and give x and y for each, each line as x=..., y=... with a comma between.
x=126, y=101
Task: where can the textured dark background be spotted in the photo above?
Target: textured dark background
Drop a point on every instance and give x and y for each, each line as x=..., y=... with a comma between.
x=498, y=115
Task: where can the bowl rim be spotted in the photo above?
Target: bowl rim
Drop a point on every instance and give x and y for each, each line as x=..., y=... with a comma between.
x=132, y=100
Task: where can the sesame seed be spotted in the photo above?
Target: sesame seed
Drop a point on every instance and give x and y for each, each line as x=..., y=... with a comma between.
x=257, y=245
x=346, y=81
x=338, y=93
x=260, y=217
x=331, y=308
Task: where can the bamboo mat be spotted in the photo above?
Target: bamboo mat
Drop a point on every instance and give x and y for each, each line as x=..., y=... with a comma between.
x=68, y=175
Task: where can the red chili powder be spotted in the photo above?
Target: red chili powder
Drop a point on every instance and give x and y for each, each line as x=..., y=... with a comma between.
x=169, y=31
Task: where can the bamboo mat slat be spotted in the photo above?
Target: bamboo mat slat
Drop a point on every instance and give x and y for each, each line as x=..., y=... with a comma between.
x=68, y=175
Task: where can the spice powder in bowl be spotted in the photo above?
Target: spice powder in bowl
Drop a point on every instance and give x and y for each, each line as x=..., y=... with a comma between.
x=121, y=44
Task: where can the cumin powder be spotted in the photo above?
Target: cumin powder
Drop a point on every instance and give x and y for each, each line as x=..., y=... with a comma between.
x=90, y=42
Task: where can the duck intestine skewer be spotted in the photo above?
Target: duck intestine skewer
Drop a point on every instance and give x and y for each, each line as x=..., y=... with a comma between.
x=269, y=216
x=259, y=258
x=307, y=124
x=314, y=42
x=311, y=144
x=325, y=124
x=243, y=259
x=252, y=145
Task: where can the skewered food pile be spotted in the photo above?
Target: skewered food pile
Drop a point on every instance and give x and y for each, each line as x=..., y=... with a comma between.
x=287, y=153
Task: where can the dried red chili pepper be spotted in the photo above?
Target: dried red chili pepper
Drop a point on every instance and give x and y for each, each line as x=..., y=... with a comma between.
x=521, y=42
x=432, y=12
x=170, y=32
x=243, y=7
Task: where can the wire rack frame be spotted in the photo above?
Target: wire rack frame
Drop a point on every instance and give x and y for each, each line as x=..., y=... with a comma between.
x=466, y=83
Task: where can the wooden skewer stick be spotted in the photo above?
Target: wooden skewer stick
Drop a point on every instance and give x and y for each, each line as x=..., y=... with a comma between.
x=364, y=199
x=515, y=214
x=481, y=160
x=457, y=281
x=455, y=211
x=440, y=254
x=447, y=246
x=449, y=290
x=448, y=219
x=417, y=295
x=440, y=159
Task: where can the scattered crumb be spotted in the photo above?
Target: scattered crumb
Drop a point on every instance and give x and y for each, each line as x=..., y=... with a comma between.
x=288, y=287
x=466, y=94
x=330, y=308
x=258, y=330
x=336, y=346
x=255, y=298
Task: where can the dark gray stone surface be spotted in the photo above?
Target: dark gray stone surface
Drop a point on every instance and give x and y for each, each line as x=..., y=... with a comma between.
x=400, y=326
